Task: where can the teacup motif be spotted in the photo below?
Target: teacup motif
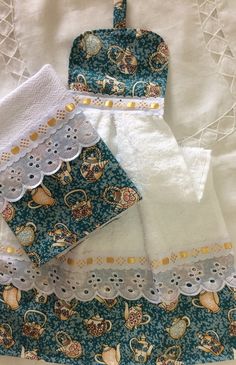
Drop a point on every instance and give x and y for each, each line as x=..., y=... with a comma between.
x=121, y=198
x=29, y=355
x=80, y=209
x=26, y=234
x=69, y=347
x=11, y=297
x=134, y=316
x=65, y=310
x=97, y=326
x=62, y=236
x=210, y=342
x=208, y=300
x=109, y=355
x=110, y=85
x=9, y=212
x=232, y=320
x=80, y=84
x=169, y=306
x=141, y=349
x=41, y=197
x=109, y=303
x=6, y=339
x=64, y=174
x=33, y=329
x=170, y=356
x=92, y=166
x=178, y=327
x=151, y=89
x=124, y=59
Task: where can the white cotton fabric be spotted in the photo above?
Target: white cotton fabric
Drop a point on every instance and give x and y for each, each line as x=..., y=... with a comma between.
x=22, y=110
x=176, y=185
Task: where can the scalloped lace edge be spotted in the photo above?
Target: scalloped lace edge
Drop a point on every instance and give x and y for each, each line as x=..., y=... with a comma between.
x=23, y=170
x=211, y=274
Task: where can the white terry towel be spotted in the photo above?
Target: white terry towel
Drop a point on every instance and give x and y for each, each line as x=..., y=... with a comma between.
x=174, y=241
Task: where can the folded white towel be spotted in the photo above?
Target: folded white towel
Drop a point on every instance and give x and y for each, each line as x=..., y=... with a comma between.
x=174, y=241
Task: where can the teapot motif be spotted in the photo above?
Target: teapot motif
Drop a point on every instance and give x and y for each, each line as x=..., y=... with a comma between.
x=142, y=350
x=41, y=297
x=80, y=209
x=232, y=321
x=159, y=59
x=64, y=174
x=31, y=328
x=109, y=303
x=109, y=355
x=208, y=300
x=135, y=317
x=110, y=85
x=122, y=198
x=170, y=356
x=41, y=197
x=80, y=84
x=209, y=343
x=8, y=212
x=6, y=338
x=91, y=44
x=62, y=236
x=151, y=90
x=92, y=166
x=98, y=326
x=11, y=297
x=29, y=355
x=69, y=347
x=26, y=234
x=65, y=310
x=125, y=61
x=169, y=306
x=178, y=327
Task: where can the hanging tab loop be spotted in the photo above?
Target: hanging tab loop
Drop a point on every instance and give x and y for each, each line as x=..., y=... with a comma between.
x=119, y=15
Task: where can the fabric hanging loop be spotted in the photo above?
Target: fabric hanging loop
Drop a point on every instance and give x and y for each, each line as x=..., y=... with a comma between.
x=119, y=14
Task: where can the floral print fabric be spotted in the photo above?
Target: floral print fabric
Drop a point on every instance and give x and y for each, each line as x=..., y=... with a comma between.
x=82, y=196
x=191, y=330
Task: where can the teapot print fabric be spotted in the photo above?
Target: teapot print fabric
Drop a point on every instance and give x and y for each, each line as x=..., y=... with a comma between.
x=82, y=196
x=96, y=332
x=125, y=62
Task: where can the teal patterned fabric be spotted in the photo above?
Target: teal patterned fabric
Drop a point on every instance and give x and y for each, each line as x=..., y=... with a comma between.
x=119, y=14
x=142, y=332
x=82, y=196
x=119, y=61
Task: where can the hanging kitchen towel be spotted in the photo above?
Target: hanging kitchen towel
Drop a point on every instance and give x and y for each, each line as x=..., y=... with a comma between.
x=58, y=180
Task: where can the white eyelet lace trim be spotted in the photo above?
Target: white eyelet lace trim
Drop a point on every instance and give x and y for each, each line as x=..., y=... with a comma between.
x=211, y=274
x=46, y=158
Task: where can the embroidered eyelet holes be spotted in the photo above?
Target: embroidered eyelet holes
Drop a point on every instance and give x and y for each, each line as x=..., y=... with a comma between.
x=46, y=158
x=124, y=282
